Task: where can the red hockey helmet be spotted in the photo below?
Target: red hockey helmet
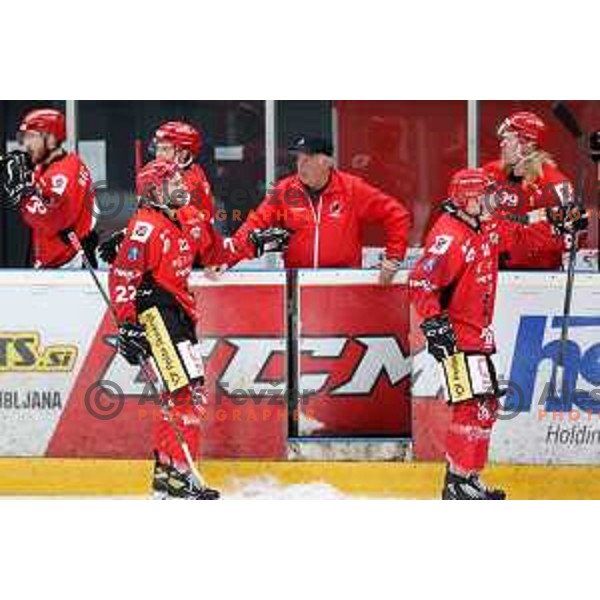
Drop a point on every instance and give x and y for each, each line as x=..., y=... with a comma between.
x=527, y=125
x=181, y=135
x=153, y=174
x=466, y=184
x=45, y=120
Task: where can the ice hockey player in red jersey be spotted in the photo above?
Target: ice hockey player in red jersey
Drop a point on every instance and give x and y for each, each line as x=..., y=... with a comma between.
x=324, y=210
x=61, y=199
x=148, y=284
x=453, y=290
x=180, y=142
x=528, y=179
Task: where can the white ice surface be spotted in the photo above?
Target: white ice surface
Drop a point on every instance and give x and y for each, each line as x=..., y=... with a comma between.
x=268, y=488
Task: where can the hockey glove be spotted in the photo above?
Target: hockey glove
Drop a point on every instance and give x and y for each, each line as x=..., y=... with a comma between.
x=132, y=343
x=568, y=220
x=441, y=341
x=16, y=177
x=109, y=249
x=273, y=239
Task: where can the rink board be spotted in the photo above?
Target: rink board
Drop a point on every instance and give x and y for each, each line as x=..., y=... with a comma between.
x=65, y=392
x=354, y=362
x=533, y=427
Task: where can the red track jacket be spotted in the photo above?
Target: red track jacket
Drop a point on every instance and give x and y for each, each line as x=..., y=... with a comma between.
x=327, y=232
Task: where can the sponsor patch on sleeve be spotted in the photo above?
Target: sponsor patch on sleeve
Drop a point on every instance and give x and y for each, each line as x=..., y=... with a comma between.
x=441, y=244
x=142, y=231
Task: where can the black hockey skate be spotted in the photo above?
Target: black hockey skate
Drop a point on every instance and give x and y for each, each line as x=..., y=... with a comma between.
x=183, y=485
x=160, y=478
x=457, y=487
x=168, y=482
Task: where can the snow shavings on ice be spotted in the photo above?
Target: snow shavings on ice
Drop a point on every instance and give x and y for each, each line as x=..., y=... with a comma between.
x=268, y=488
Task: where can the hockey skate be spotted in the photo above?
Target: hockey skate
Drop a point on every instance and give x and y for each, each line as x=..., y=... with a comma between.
x=457, y=487
x=182, y=485
x=160, y=477
x=168, y=482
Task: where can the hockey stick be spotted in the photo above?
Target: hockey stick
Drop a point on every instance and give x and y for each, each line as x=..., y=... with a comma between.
x=144, y=364
x=139, y=156
x=569, y=121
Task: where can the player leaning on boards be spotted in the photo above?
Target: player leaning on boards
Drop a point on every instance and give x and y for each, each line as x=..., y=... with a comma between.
x=528, y=179
x=324, y=210
x=453, y=291
x=54, y=191
x=156, y=311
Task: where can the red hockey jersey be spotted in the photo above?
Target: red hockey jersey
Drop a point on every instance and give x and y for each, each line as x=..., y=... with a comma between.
x=516, y=197
x=199, y=189
x=161, y=249
x=64, y=199
x=458, y=273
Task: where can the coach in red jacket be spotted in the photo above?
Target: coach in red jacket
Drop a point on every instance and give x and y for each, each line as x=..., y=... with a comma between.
x=325, y=209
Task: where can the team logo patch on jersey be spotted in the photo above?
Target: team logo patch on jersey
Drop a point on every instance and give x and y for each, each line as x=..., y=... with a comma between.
x=441, y=244
x=336, y=209
x=59, y=184
x=142, y=231
x=183, y=245
x=429, y=264
x=133, y=253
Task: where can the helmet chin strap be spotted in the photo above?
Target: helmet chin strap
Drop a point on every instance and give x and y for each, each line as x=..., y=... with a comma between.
x=184, y=164
x=49, y=153
x=171, y=213
x=169, y=209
